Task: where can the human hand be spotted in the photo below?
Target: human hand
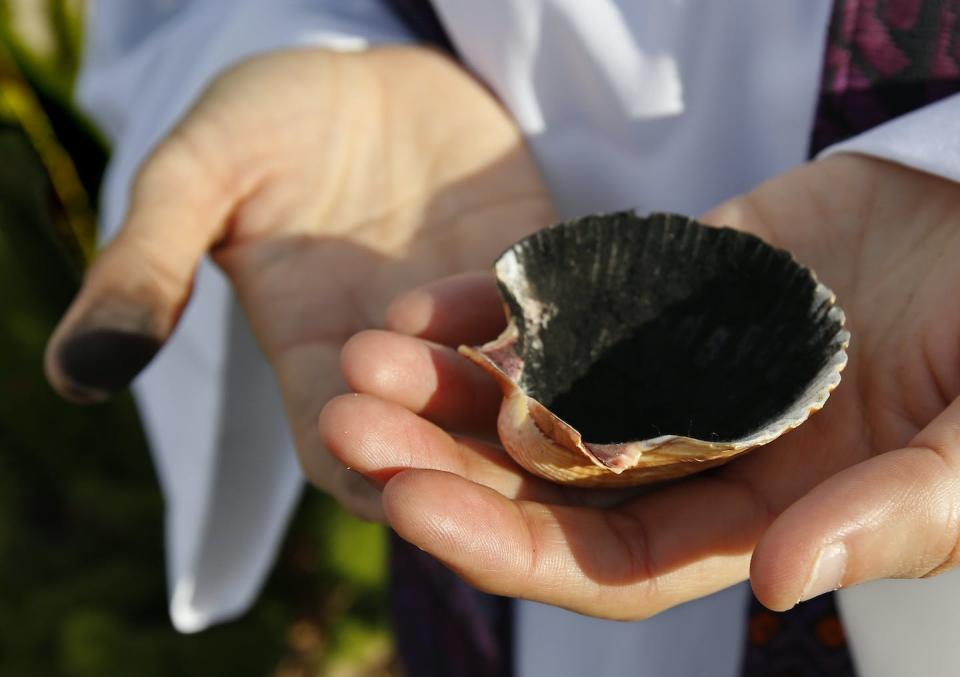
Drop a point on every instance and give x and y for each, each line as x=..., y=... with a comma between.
x=872, y=482
x=321, y=183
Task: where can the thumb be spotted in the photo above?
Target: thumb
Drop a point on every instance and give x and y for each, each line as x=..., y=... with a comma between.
x=896, y=515
x=137, y=287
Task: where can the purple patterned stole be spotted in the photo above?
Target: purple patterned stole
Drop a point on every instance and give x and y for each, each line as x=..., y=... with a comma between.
x=884, y=58
x=807, y=641
x=443, y=626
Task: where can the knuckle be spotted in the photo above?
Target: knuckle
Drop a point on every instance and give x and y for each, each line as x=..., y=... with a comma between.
x=188, y=164
x=152, y=270
x=173, y=164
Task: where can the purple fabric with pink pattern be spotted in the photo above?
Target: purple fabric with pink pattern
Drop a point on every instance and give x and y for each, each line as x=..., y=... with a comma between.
x=885, y=58
x=443, y=626
x=807, y=641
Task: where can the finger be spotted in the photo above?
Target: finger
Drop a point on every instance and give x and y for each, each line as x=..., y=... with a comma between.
x=652, y=553
x=348, y=487
x=896, y=515
x=431, y=380
x=352, y=492
x=380, y=439
x=307, y=378
x=460, y=309
x=134, y=292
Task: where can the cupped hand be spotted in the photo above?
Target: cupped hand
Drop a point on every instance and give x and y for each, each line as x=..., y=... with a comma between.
x=867, y=488
x=322, y=184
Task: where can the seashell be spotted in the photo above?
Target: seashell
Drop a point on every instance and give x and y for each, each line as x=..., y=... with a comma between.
x=643, y=349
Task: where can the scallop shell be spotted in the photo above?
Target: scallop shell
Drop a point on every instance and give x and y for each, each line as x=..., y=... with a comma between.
x=640, y=349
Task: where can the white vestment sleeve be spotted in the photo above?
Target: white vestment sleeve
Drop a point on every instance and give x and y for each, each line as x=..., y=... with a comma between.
x=209, y=403
x=927, y=139
x=908, y=627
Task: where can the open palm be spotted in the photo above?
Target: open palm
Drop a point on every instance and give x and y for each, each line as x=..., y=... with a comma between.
x=322, y=183
x=867, y=488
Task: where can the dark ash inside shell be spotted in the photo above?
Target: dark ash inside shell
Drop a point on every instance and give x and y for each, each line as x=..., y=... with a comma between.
x=632, y=328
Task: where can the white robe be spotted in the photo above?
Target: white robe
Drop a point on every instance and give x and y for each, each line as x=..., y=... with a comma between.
x=654, y=104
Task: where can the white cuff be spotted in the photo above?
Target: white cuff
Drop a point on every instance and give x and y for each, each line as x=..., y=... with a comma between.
x=927, y=139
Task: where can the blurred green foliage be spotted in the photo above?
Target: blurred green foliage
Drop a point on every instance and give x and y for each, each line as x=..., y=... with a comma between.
x=43, y=38
x=82, y=590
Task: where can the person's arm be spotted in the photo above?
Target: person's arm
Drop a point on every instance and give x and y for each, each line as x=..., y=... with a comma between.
x=867, y=489
x=322, y=179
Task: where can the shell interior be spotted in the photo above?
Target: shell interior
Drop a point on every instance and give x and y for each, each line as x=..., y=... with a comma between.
x=632, y=328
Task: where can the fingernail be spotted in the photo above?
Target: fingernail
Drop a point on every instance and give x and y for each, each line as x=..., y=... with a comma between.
x=98, y=362
x=827, y=573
